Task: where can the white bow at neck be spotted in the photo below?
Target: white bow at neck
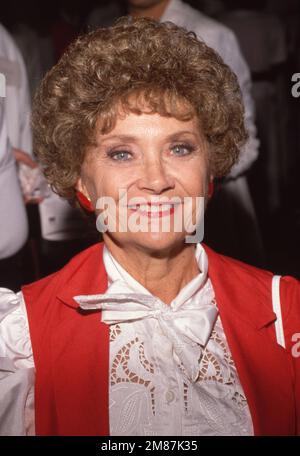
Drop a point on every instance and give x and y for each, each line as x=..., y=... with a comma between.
x=187, y=322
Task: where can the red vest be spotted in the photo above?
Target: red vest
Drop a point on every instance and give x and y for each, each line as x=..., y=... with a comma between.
x=71, y=346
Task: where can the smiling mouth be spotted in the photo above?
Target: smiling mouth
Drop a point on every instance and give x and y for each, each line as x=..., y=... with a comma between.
x=153, y=210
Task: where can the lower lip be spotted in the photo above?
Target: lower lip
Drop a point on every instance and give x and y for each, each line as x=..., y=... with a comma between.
x=157, y=214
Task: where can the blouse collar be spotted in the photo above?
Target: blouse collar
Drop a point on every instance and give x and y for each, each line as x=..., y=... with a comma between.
x=115, y=272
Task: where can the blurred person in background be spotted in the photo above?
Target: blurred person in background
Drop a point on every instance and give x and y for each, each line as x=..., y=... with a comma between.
x=17, y=100
x=104, y=13
x=16, y=140
x=55, y=227
x=13, y=217
x=266, y=54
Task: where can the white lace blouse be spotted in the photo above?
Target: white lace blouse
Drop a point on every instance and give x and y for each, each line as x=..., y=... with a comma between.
x=166, y=378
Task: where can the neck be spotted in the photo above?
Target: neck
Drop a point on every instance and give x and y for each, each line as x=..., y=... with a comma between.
x=154, y=12
x=163, y=275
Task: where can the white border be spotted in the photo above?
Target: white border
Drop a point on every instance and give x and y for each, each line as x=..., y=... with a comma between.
x=277, y=310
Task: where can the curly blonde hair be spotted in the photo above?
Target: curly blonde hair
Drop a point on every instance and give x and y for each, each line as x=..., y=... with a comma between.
x=136, y=58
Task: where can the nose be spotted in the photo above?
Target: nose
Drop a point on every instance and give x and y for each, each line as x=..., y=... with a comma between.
x=155, y=177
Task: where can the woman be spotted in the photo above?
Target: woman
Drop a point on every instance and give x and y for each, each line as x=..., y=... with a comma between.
x=187, y=342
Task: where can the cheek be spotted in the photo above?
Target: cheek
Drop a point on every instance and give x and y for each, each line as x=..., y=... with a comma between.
x=94, y=183
x=108, y=183
x=195, y=179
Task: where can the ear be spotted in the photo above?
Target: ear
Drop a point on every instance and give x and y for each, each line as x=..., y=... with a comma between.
x=81, y=187
x=210, y=186
x=83, y=197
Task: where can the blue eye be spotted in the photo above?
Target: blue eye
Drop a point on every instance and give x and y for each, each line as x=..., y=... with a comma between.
x=182, y=149
x=119, y=155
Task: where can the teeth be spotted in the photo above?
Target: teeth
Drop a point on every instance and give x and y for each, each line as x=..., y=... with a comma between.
x=148, y=208
x=166, y=207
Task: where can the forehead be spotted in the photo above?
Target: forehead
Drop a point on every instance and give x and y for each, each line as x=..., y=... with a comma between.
x=147, y=125
x=148, y=100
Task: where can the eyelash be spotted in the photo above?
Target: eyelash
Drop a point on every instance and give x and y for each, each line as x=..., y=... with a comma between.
x=188, y=147
x=117, y=152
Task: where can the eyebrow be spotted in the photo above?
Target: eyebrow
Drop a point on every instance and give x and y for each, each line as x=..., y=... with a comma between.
x=131, y=138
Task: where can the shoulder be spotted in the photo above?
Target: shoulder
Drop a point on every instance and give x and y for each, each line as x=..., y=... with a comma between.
x=50, y=301
x=240, y=271
x=15, y=347
x=236, y=269
x=8, y=46
x=9, y=301
x=289, y=287
x=204, y=26
x=79, y=272
x=240, y=279
x=215, y=34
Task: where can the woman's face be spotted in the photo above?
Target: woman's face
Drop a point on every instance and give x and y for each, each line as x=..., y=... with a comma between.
x=154, y=159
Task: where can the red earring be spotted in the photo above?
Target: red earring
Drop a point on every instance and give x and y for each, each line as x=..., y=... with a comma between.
x=84, y=202
x=210, y=189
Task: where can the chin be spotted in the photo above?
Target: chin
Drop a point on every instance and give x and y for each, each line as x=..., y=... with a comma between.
x=153, y=242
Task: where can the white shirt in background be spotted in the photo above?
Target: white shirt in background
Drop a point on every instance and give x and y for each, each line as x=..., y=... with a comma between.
x=17, y=100
x=13, y=218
